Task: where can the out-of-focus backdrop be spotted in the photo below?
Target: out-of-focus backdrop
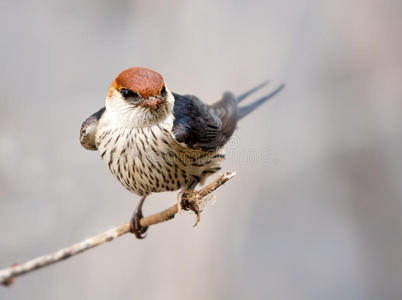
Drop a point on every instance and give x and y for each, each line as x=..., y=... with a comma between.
x=315, y=210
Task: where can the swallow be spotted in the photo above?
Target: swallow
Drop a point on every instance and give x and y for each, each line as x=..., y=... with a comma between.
x=154, y=140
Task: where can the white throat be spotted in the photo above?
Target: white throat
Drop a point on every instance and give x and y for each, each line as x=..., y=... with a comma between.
x=119, y=113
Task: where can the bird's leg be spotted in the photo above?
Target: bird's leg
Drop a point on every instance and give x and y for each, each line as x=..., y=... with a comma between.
x=135, y=226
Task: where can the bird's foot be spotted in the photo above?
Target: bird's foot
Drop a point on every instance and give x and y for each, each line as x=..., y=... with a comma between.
x=185, y=204
x=135, y=224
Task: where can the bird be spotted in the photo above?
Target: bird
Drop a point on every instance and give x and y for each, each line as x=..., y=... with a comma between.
x=154, y=140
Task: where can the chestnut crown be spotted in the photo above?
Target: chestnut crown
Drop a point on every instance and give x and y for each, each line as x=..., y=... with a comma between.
x=141, y=81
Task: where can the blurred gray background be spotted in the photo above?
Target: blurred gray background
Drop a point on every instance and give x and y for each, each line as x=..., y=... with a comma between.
x=315, y=210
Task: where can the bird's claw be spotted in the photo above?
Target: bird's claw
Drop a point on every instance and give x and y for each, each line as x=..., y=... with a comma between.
x=135, y=226
x=185, y=204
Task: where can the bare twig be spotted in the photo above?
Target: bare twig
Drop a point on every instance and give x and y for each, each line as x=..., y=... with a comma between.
x=194, y=199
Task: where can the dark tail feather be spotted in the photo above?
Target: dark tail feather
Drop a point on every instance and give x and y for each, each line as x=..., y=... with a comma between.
x=245, y=110
x=253, y=90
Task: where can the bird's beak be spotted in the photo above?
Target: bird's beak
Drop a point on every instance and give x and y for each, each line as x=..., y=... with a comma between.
x=151, y=102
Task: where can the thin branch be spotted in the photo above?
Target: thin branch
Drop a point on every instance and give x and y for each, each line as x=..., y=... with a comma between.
x=192, y=199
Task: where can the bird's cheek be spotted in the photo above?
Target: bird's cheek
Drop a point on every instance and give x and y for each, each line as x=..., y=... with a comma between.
x=151, y=102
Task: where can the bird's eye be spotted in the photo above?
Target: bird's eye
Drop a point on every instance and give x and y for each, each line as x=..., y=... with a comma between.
x=128, y=93
x=163, y=91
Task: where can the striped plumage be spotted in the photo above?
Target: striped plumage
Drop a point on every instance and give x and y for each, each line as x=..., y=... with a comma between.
x=149, y=159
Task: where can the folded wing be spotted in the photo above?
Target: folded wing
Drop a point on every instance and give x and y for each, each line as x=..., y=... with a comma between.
x=88, y=130
x=208, y=127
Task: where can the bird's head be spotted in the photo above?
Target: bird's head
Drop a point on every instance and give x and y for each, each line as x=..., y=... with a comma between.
x=138, y=97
